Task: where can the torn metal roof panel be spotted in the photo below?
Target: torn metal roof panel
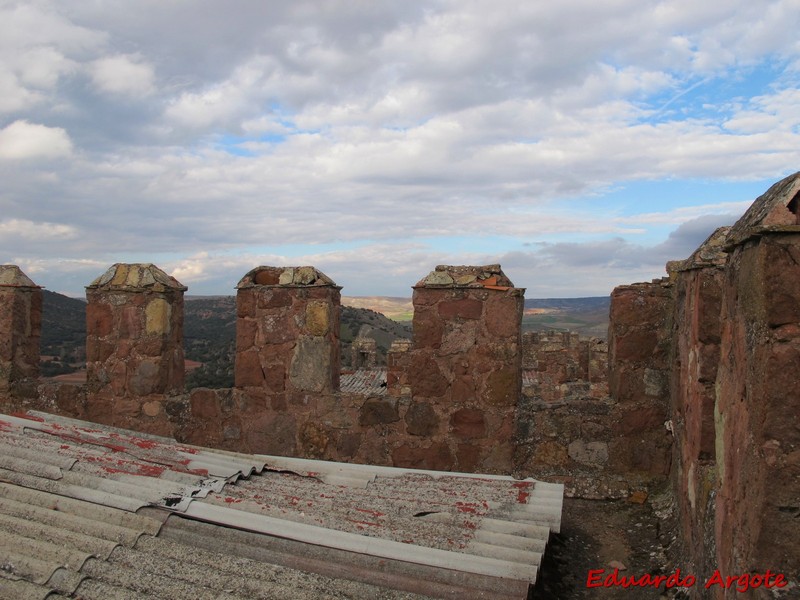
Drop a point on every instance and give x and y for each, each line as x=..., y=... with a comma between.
x=84, y=507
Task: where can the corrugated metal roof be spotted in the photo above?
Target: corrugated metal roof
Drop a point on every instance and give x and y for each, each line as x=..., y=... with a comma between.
x=367, y=381
x=93, y=511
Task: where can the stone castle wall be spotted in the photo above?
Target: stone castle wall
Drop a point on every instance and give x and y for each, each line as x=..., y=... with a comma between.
x=449, y=402
x=725, y=332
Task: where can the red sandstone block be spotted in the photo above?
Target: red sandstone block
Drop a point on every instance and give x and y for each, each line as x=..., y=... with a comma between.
x=428, y=329
x=204, y=404
x=274, y=298
x=469, y=457
x=640, y=420
x=246, y=331
x=468, y=423
x=247, y=370
x=99, y=319
x=436, y=457
x=781, y=282
x=465, y=308
x=130, y=322
x=427, y=379
x=421, y=419
x=637, y=345
x=503, y=316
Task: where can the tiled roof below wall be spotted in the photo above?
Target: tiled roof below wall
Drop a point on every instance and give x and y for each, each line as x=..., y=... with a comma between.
x=88, y=511
x=369, y=382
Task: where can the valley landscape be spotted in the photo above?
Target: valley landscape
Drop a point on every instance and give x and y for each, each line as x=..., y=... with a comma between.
x=210, y=330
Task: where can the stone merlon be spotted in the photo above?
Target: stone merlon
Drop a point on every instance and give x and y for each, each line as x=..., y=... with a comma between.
x=777, y=210
x=488, y=276
x=286, y=277
x=135, y=277
x=12, y=276
x=711, y=253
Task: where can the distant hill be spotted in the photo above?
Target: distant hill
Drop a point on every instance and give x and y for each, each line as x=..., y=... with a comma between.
x=63, y=345
x=373, y=325
x=587, y=316
x=397, y=309
x=209, y=337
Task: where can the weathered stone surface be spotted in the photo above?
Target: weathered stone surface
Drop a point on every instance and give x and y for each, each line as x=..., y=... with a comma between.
x=588, y=453
x=469, y=458
x=378, y=411
x=468, y=423
x=145, y=379
x=270, y=434
x=248, y=369
x=348, y=444
x=503, y=320
x=465, y=308
x=317, y=317
x=551, y=454
x=428, y=329
x=502, y=387
x=314, y=439
x=157, y=315
x=152, y=409
x=204, y=404
x=427, y=380
x=437, y=457
x=99, y=319
x=459, y=338
x=311, y=365
x=421, y=419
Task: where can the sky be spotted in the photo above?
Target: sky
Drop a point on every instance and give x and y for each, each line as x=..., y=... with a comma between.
x=581, y=144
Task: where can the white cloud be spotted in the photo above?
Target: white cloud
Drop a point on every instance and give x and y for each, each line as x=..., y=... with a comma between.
x=13, y=95
x=383, y=125
x=123, y=75
x=23, y=140
x=29, y=230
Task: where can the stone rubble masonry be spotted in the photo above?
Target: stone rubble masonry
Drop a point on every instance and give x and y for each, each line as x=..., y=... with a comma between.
x=134, y=347
x=465, y=369
x=561, y=365
x=398, y=363
x=20, y=329
x=639, y=342
x=363, y=352
x=287, y=331
x=728, y=323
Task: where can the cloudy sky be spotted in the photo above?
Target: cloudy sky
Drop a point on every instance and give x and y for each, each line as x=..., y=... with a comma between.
x=581, y=144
